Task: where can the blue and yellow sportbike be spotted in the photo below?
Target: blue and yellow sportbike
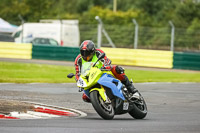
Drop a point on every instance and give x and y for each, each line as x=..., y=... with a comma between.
x=107, y=94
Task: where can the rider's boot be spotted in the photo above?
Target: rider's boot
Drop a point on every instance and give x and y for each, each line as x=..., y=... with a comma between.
x=86, y=98
x=131, y=89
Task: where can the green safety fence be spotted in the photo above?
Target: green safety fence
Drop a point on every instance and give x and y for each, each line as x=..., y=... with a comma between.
x=186, y=60
x=54, y=52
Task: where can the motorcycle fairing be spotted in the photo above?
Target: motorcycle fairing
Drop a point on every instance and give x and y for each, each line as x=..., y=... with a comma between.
x=114, y=84
x=94, y=74
x=101, y=92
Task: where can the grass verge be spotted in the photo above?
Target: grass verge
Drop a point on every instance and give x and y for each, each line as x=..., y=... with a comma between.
x=40, y=73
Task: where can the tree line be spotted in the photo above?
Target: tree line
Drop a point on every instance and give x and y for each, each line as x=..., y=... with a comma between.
x=147, y=12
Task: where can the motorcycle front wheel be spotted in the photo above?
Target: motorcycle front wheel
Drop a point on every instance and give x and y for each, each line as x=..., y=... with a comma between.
x=105, y=110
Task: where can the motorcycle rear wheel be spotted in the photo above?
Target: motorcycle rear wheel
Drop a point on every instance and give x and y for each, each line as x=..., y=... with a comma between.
x=139, y=110
x=105, y=110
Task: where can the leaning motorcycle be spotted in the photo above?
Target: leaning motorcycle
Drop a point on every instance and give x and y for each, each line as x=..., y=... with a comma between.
x=107, y=94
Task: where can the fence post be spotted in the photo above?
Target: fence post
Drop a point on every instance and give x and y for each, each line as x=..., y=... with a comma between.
x=172, y=36
x=136, y=33
x=100, y=30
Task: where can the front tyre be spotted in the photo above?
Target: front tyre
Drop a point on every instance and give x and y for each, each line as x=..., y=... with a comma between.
x=139, y=110
x=105, y=110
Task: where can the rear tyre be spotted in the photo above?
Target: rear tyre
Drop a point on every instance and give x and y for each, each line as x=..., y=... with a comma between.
x=105, y=110
x=139, y=110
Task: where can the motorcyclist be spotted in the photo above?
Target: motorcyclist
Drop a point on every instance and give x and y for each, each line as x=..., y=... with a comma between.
x=88, y=52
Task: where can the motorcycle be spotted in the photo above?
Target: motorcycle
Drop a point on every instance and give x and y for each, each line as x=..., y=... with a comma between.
x=107, y=94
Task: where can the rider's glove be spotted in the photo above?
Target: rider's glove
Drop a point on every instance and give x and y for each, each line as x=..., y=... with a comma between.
x=103, y=68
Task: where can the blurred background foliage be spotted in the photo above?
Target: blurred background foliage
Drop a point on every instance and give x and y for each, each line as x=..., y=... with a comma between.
x=152, y=16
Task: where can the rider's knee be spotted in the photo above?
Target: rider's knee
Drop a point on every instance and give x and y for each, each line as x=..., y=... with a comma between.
x=118, y=72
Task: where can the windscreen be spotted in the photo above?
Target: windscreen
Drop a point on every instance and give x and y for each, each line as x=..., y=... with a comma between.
x=85, y=67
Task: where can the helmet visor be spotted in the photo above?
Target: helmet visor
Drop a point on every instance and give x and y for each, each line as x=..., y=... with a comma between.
x=86, y=54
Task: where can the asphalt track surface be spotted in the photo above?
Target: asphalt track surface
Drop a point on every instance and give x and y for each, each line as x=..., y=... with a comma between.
x=173, y=108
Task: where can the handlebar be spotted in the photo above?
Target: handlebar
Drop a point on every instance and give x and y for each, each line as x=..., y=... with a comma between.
x=103, y=69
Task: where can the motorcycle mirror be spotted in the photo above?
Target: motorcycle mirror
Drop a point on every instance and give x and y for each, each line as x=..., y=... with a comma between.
x=71, y=75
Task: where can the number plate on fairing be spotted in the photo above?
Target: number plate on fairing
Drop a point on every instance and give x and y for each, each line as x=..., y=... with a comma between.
x=81, y=83
x=125, y=106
